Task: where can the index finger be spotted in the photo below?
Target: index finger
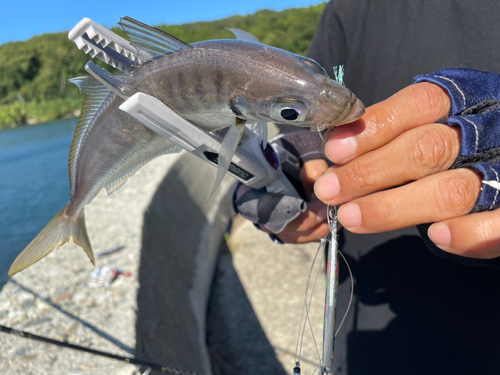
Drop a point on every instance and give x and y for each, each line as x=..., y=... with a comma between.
x=416, y=105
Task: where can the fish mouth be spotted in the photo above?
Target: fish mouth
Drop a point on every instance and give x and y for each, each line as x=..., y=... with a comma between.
x=355, y=109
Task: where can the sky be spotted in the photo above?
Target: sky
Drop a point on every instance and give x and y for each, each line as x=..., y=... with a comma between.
x=21, y=20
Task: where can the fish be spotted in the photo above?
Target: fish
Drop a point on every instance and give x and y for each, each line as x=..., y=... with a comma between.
x=218, y=85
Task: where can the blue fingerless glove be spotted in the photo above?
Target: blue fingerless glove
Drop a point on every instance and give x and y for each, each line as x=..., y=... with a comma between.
x=475, y=108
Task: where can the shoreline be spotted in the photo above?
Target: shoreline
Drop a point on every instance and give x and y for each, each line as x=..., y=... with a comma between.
x=18, y=115
x=37, y=121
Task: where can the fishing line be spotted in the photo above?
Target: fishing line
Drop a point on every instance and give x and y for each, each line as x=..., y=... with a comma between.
x=321, y=136
x=333, y=240
x=312, y=331
x=305, y=306
x=308, y=308
x=305, y=301
x=351, y=296
x=315, y=369
x=131, y=360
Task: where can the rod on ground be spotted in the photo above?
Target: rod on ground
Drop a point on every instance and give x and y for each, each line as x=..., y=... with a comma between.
x=131, y=360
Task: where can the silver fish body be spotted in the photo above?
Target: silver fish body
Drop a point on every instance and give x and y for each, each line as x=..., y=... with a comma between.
x=216, y=81
x=213, y=84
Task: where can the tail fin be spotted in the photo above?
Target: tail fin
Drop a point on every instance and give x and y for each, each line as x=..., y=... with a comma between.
x=57, y=232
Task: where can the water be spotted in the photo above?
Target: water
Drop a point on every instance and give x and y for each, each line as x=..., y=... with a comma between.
x=34, y=183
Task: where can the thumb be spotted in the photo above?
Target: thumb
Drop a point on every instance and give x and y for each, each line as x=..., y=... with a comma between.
x=309, y=173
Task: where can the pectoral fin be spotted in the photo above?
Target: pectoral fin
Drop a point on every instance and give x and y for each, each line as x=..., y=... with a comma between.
x=261, y=129
x=227, y=150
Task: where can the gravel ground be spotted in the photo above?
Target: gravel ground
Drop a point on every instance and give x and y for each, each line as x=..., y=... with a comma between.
x=256, y=303
x=53, y=298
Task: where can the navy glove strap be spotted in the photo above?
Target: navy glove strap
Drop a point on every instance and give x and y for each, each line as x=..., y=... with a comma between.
x=475, y=109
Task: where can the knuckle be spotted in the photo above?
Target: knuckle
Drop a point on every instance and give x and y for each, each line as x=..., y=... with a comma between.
x=488, y=228
x=455, y=194
x=385, y=215
x=359, y=174
x=486, y=231
x=432, y=150
x=429, y=98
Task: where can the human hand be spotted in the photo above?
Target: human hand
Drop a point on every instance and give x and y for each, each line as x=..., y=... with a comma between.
x=392, y=171
x=310, y=225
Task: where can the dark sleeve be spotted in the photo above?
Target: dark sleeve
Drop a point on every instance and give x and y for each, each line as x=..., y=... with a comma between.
x=305, y=146
x=329, y=46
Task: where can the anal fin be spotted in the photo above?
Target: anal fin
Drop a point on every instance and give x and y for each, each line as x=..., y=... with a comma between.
x=227, y=150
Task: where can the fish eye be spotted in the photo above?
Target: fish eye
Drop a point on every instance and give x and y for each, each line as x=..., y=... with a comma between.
x=288, y=110
x=289, y=114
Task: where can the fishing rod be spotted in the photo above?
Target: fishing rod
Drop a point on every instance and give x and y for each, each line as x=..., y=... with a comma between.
x=332, y=286
x=131, y=360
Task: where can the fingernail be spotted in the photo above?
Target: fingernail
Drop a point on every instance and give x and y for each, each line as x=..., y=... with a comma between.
x=440, y=234
x=321, y=214
x=350, y=215
x=341, y=147
x=327, y=187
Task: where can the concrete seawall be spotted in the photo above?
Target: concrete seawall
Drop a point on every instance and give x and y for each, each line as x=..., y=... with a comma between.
x=169, y=240
x=180, y=243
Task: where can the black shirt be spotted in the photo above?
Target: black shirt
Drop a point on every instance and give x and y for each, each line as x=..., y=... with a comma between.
x=414, y=313
x=384, y=44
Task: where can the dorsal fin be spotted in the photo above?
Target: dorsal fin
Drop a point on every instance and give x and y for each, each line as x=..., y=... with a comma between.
x=150, y=41
x=95, y=93
x=243, y=35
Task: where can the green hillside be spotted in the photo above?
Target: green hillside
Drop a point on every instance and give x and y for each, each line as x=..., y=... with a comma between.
x=34, y=74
